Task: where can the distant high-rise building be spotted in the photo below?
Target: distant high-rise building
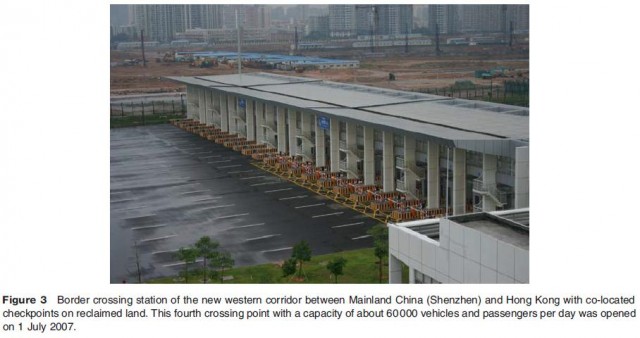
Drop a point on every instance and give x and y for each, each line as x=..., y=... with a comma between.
x=162, y=22
x=492, y=18
x=445, y=16
x=342, y=21
x=257, y=16
x=318, y=26
x=384, y=19
x=519, y=15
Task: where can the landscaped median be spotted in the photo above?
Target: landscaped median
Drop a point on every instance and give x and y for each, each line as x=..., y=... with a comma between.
x=361, y=267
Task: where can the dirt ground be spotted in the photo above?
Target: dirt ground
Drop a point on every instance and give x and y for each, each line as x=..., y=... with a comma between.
x=412, y=72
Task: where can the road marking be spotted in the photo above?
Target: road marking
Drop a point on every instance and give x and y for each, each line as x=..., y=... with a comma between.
x=261, y=237
x=252, y=177
x=221, y=161
x=207, y=198
x=230, y=166
x=212, y=156
x=292, y=197
x=276, y=250
x=240, y=171
x=155, y=239
x=264, y=183
x=164, y=251
x=309, y=206
x=131, y=208
x=149, y=227
x=124, y=200
x=270, y=191
x=347, y=225
x=143, y=216
x=193, y=192
x=361, y=237
x=230, y=216
x=247, y=226
x=218, y=206
x=325, y=215
x=182, y=263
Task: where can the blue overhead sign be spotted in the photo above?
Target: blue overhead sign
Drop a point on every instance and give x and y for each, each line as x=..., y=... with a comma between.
x=323, y=122
x=242, y=103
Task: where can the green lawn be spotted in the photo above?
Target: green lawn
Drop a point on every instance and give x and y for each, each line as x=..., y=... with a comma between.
x=362, y=267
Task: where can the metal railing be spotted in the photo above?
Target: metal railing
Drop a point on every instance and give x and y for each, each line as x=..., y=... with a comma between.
x=400, y=162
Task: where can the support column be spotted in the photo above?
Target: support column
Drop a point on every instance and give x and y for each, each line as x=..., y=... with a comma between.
x=233, y=114
x=190, y=94
x=293, y=142
x=352, y=160
x=489, y=170
x=459, y=181
x=282, y=132
x=522, y=178
x=208, y=98
x=410, y=164
x=369, y=157
x=321, y=161
x=259, y=106
x=215, y=98
x=395, y=270
x=250, y=115
x=305, y=130
x=201, y=106
x=388, y=170
x=433, y=175
x=224, y=113
x=334, y=144
x=412, y=275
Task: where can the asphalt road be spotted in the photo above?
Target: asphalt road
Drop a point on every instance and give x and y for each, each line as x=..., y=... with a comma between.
x=170, y=187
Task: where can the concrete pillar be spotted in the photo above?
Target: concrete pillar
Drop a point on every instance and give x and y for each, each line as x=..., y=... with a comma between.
x=201, y=106
x=306, y=120
x=395, y=270
x=282, y=131
x=369, y=156
x=208, y=98
x=292, y=117
x=233, y=114
x=351, y=140
x=190, y=95
x=489, y=170
x=224, y=113
x=522, y=178
x=215, y=105
x=410, y=164
x=459, y=181
x=321, y=161
x=388, y=169
x=334, y=144
x=259, y=107
x=412, y=275
x=433, y=175
x=250, y=116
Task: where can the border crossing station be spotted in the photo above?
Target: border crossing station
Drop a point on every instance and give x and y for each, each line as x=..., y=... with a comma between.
x=449, y=176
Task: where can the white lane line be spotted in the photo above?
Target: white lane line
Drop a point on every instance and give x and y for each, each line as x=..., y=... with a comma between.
x=246, y=226
x=264, y=183
x=252, y=177
x=230, y=216
x=309, y=206
x=230, y=166
x=361, y=237
x=149, y=227
x=212, y=156
x=142, y=216
x=155, y=239
x=218, y=206
x=325, y=215
x=276, y=250
x=207, y=198
x=240, y=171
x=182, y=263
x=185, y=149
x=124, y=200
x=261, y=237
x=347, y=225
x=164, y=251
x=131, y=208
x=221, y=161
x=292, y=197
x=270, y=191
x=193, y=192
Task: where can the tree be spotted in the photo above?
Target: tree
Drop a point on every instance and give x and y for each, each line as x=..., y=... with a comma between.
x=301, y=253
x=188, y=255
x=224, y=261
x=289, y=267
x=380, y=234
x=336, y=265
x=207, y=250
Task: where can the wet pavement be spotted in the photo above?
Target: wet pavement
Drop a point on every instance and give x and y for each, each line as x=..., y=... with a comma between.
x=170, y=187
